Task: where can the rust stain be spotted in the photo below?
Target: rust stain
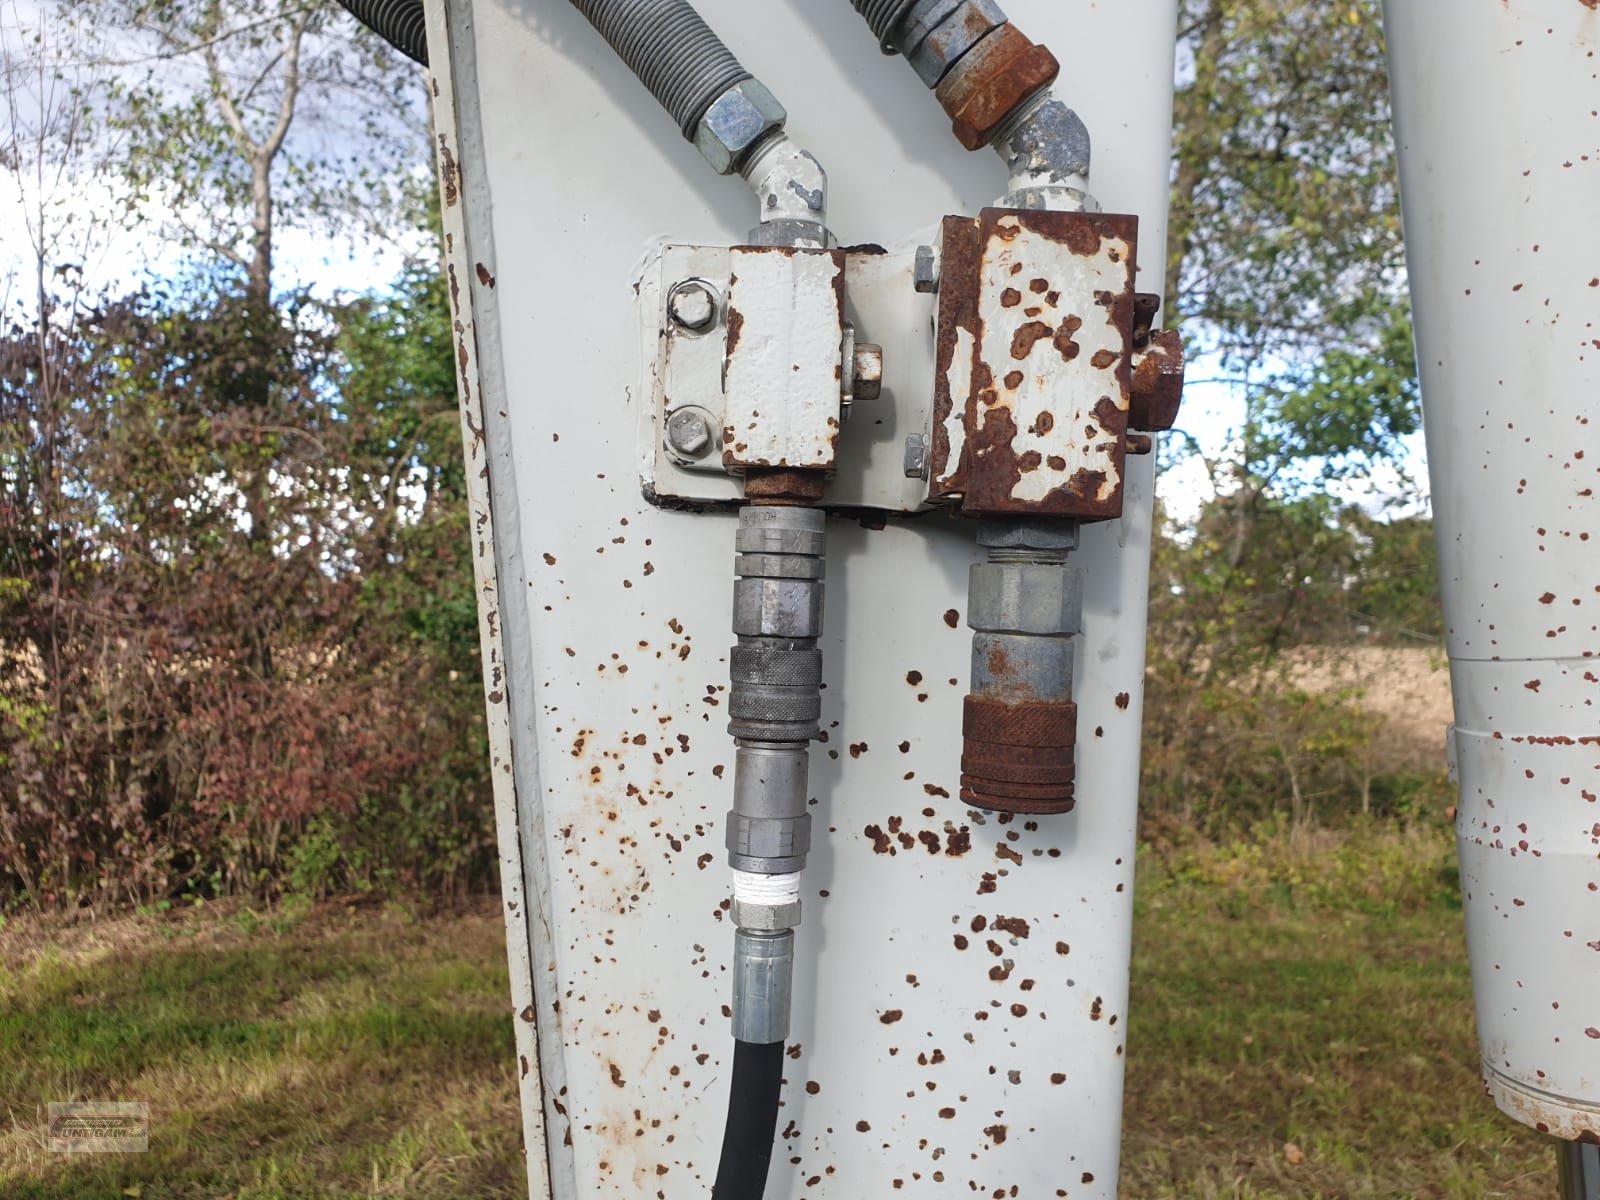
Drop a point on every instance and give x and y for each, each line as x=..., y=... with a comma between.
x=1017, y=927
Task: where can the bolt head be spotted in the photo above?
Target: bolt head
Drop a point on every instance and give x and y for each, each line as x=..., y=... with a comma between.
x=916, y=456
x=925, y=270
x=692, y=305
x=688, y=432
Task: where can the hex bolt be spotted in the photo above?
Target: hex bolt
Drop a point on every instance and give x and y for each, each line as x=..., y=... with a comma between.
x=916, y=456
x=925, y=270
x=688, y=432
x=692, y=305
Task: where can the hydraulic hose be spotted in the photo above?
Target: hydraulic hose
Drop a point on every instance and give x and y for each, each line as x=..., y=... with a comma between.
x=401, y=23
x=752, y=1122
x=671, y=49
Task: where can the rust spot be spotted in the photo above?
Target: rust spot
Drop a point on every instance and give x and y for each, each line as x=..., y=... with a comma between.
x=1017, y=927
x=1013, y=380
x=890, y=1017
x=1010, y=298
x=947, y=1114
x=1063, y=948
x=1063, y=338
x=616, y=1075
x=952, y=618
x=996, y=1133
x=1030, y=333
x=957, y=842
x=1043, y=424
x=812, y=1087
x=484, y=277
x=1122, y=700
x=1096, y=1009
x=449, y=173
x=880, y=840
x=913, y=678
x=1103, y=359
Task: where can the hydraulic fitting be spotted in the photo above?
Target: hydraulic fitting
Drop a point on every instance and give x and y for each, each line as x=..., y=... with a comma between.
x=763, y=982
x=735, y=123
x=1019, y=725
x=775, y=702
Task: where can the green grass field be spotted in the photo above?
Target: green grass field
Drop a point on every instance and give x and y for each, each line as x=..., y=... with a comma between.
x=1301, y=1027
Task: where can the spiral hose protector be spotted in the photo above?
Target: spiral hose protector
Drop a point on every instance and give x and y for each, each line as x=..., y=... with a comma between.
x=672, y=51
x=752, y=1121
x=401, y=23
x=883, y=16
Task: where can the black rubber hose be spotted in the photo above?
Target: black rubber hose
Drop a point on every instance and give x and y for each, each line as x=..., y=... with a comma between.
x=401, y=23
x=752, y=1121
x=672, y=51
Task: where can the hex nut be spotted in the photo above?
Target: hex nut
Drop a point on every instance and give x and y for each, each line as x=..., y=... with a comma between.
x=768, y=918
x=937, y=47
x=782, y=608
x=1037, y=598
x=868, y=376
x=736, y=121
x=991, y=82
x=925, y=270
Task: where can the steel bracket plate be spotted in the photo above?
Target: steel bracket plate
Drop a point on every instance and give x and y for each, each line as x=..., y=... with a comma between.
x=692, y=369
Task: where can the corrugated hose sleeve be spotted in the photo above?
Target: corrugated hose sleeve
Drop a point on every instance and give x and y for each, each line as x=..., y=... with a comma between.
x=401, y=23
x=671, y=49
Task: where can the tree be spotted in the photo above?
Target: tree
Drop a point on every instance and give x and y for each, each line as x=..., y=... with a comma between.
x=1286, y=263
x=241, y=114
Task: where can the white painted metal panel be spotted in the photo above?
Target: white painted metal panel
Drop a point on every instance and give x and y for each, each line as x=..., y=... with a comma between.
x=1497, y=109
x=615, y=622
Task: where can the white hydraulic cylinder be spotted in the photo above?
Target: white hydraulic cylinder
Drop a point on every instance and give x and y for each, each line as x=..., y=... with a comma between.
x=1497, y=116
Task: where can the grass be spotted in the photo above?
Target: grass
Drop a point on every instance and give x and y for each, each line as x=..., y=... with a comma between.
x=1297, y=991
x=1301, y=1027
x=341, y=1055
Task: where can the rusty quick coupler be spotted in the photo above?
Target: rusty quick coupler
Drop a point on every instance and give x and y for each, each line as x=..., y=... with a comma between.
x=1019, y=725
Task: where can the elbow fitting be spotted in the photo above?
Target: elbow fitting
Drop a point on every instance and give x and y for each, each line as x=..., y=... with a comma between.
x=1045, y=147
x=792, y=191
